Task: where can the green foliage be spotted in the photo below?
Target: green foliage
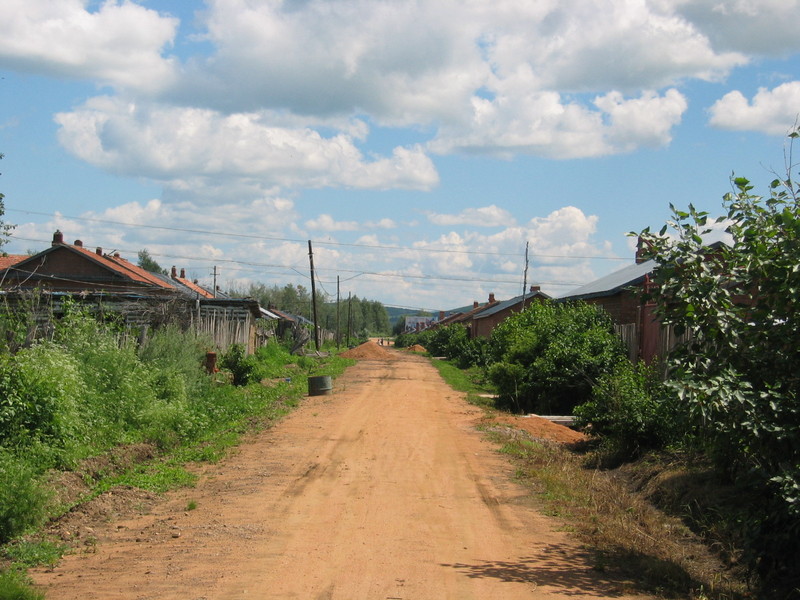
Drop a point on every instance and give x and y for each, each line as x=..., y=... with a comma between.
x=366, y=317
x=156, y=477
x=23, y=502
x=738, y=373
x=148, y=263
x=241, y=366
x=32, y=553
x=176, y=357
x=452, y=342
x=547, y=358
x=40, y=391
x=13, y=586
x=632, y=410
x=5, y=228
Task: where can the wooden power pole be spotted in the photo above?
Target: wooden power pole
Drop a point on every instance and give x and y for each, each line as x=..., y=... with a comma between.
x=313, y=296
x=338, y=335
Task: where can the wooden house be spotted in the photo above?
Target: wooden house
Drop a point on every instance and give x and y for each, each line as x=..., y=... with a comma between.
x=113, y=287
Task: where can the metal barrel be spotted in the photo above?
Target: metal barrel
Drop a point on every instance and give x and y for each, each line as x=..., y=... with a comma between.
x=320, y=386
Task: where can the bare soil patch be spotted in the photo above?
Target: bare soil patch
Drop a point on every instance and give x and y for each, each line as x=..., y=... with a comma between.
x=416, y=348
x=369, y=351
x=537, y=427
x=383, y=489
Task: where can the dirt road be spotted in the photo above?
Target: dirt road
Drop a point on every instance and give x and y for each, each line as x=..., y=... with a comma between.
x=382, y=490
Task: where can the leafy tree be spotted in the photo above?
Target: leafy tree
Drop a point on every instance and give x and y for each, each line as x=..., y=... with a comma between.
x=5, y=228
x=367, y=316
x=548, y=357
x=739, y=372
x=399, y=326
x=148, y=263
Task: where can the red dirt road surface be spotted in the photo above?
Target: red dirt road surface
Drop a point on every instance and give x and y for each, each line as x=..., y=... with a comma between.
x=382, y=490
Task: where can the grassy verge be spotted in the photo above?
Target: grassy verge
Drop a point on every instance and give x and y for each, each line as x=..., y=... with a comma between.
x=470, y=381
x=628, y=535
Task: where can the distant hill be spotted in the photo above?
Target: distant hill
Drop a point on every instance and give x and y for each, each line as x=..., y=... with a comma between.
x=396, y=313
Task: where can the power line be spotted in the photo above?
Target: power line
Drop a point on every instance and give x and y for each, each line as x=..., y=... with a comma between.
x=316, y=242
x=357, y=272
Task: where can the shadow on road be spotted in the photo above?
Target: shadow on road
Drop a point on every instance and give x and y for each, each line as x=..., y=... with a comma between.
x=555, y=566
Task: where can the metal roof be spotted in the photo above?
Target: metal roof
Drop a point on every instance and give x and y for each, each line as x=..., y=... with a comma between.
x=613, y=283
x=508, y=303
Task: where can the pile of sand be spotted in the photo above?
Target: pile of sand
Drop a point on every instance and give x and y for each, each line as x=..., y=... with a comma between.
x=416, y=348
x=368, y=351
x=537, y=426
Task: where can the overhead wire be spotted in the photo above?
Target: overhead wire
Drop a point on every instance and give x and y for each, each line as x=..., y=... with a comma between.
x=316, y=242
x=357, y=272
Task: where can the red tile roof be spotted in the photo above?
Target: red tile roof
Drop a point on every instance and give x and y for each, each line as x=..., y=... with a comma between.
x=194, y=287
x=122, y=267
x=9, y=260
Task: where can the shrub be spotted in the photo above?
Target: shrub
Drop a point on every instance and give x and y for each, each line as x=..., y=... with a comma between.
x=547, y=358
x=631, y=410
x=41, y=389
x=241, y=366
x=119, y=384
x=177, y=357
x=23, y=501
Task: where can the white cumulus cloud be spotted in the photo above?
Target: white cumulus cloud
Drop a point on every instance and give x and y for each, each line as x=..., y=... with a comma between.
x=764, y=27
x=119, y=44
x=328, y=223
x=175, y=144
x=771, y=111
x=485, y=216
x=543, y=124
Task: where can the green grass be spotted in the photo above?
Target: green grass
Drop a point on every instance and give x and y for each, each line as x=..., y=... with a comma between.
x=469, y=381
x=15, y=586
x=156, y=477
x=32, y=553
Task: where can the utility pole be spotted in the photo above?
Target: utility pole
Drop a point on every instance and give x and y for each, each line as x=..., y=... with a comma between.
x=313, y=295
x=215, y=281
x=525, y=276
x=349, y=317
x=338, y=336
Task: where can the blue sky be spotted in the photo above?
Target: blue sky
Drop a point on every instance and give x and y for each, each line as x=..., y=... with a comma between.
x=419, y=145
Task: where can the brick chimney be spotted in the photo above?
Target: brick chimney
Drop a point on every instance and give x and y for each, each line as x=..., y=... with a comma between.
x=491, y=298
x=98, y=251
x=58, y=238
x=475, y=304
x=78, y=243
x=183, y=273
x=535, y=289
x=441, y=315
x=174, y=272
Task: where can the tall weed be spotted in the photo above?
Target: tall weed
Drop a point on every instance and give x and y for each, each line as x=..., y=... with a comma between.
x=41, y=392
x=23, y=501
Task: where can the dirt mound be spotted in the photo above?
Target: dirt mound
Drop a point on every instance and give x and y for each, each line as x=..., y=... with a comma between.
x=538, y=428
x=368, y=351
x=416, y=348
